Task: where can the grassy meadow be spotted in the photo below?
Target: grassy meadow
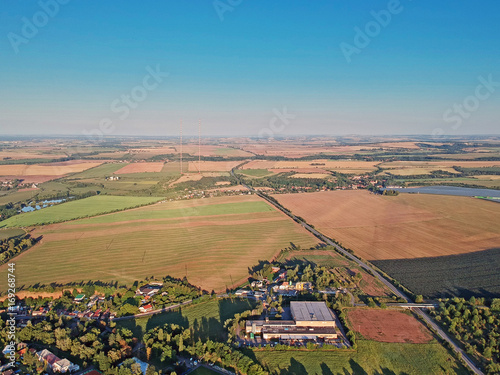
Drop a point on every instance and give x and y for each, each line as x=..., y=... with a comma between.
x=371, y=358
x=71, y=210
x=214, y=249
x=207, y=318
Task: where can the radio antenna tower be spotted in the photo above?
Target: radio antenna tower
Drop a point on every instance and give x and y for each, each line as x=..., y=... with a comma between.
x=199, y=146
x=181, y=147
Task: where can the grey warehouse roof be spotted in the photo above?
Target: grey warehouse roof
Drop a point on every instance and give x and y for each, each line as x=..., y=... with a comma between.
x=310, y=311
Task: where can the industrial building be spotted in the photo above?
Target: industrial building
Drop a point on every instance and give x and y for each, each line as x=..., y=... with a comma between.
x=311, y=321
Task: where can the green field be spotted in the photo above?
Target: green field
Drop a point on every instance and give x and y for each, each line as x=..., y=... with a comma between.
x=100, y=171
x=213, y=209
x=5, y=234
x=17, y=196
x=215, y=251
x=76, y=209
x=207, y=318
x=371, y=358
x=326, y=260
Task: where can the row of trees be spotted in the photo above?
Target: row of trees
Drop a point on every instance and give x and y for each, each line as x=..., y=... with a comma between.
x=14, y=246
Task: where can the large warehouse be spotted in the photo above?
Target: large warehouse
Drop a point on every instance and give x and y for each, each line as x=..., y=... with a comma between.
x=311, y=321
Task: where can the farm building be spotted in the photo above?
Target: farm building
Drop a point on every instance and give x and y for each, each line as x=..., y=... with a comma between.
x=311, y=321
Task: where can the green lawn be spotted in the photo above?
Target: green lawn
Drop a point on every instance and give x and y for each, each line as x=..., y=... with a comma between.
x=371, y=358
x=213, y=209
x=76, y=209
x=207, y=318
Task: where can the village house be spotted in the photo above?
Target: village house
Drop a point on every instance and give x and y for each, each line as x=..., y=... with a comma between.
x=54, y=363
x=146, y=308
x=79, y=298
x=149, y=289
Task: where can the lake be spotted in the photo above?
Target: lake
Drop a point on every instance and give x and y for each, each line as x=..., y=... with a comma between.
x=41, y=205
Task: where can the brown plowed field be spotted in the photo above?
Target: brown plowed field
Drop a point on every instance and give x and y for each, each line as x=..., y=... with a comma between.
x=406, y=226
x=388, y=326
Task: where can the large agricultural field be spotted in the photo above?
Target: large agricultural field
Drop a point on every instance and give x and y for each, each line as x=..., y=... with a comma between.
x=46, y=171
x=344, y=166
x=212, y=166
x=429, y=243
x=212, y=241
x=465, y=275
x=140, y=168
x=406, y=226
x=76, y=209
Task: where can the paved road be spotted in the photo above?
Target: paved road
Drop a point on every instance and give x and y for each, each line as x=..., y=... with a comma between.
x=396, y=291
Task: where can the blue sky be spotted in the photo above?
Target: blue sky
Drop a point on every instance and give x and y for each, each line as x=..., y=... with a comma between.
x=233, y=64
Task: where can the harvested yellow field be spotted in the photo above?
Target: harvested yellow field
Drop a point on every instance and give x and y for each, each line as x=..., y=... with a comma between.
x=146, y=153
x=406, y=145
x=440, y=164
x=47, y=169
x=405, y=226
x=345, y=166
x=26, y=154
x=419, y=170
x=488, y=177
x=230, y=188
x=311, y=175
x=212, y=150
x=212, y=166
